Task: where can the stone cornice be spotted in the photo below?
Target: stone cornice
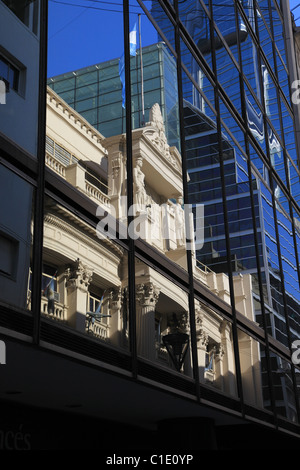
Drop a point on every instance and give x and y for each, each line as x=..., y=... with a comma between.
x=58, y=222
x=75, y=119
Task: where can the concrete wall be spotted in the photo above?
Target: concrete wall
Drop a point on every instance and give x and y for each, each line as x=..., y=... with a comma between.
x=19, y=116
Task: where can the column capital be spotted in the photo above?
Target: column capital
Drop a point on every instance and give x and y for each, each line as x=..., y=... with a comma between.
x=147, y=294
x=202, y=338
x=220, y=351
x=115, y=298
x=78, y=275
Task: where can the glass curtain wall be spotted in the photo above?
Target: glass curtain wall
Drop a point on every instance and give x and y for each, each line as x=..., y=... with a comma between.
x=230, y=161
x=171, y=206
x=22, y=78
x=86, y=281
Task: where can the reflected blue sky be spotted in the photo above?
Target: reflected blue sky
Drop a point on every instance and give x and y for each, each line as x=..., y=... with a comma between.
x=80, y=32
x=86, y=32
x=295, y=7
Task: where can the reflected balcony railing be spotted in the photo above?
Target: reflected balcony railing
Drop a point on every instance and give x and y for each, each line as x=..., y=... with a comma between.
x=97, y=328
x=95, y=193
x=60, y=311
x=72, y=173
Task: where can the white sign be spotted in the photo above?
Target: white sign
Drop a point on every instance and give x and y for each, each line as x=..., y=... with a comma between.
x=2, y=92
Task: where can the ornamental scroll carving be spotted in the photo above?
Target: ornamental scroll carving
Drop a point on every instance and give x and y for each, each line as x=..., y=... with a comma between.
x=158, y=137
x=220, y=352
x=147, y=294
x=78, y=276
x=115, y=299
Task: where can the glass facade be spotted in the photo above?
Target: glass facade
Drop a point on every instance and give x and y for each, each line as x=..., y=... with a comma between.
x=160, y=235
x=96, y=92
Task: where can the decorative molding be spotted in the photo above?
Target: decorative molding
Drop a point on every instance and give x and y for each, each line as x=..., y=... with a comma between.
x=67, y=228
x=75, y=119
x=220, y=351
x=78, y=276
x=202, y=337
x=155, y=131
x=147, y=294
x=115, y=298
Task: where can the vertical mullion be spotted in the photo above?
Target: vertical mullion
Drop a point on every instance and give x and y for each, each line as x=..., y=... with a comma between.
x=261, y=293
x=227, y=238
x=37, y=250
x=186, y=201
x=271, y=176
x=282, y=137
x=129, y=168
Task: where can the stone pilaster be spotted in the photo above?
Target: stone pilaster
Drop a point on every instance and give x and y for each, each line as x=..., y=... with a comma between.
x=115, y=310
x=78, y=277
x=202, y=343
x=147, y=297
x=219, y=370
x=228, y=364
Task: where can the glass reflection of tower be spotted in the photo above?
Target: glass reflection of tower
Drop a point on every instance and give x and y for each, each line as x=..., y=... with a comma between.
x=203, y=157
x=95, y=93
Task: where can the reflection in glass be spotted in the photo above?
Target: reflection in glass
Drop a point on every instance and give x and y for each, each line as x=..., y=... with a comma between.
x=250, y=63
x=278, y=328
x=16, y=235
x=289, y=266
x=288, y=130
x=215, y=350
x=84, y=278
x=161, y=309
x=285, y=404
x=264, y=32
x=253, y=371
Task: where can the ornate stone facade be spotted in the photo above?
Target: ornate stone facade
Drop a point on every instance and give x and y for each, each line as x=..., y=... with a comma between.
x=93, y=276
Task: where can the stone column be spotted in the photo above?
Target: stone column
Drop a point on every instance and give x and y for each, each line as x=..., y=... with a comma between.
x=78, y=278
x=219, y=378
x=147, y=297
x=202, y=342
x=115, y=184
x=116, y=327
x=228, y=363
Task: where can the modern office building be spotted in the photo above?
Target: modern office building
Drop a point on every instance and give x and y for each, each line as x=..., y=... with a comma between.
x=248, y=204
x=96, y=91
x=104, y=283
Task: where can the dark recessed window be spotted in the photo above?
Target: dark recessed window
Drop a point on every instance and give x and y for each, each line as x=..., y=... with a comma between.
x=9, y=248
x=9, y=73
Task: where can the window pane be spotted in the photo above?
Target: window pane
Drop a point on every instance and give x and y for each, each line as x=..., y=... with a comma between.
x=255, y=381
x=81, y=290
x=162, y=315
x=16, y=225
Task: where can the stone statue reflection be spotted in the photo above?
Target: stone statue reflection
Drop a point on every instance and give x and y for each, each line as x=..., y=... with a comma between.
x=180, y=225
x=139, y=186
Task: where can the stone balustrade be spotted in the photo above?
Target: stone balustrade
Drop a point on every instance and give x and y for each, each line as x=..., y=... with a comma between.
x=55, y=165
x=95, y=193
x=60, y=310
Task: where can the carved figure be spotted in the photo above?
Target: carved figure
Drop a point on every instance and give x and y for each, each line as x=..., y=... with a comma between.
x=179, y=221
x=139, y=186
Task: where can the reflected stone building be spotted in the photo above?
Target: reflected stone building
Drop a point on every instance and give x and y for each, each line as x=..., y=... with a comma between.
x=118, y=327
x=98, y=275
x=214, y=171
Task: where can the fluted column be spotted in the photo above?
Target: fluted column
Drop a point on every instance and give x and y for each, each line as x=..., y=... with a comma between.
x=78, y=278
x=147, y=297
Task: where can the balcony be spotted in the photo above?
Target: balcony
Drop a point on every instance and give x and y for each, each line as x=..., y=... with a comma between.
x=59, y=314
x=80, y=173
